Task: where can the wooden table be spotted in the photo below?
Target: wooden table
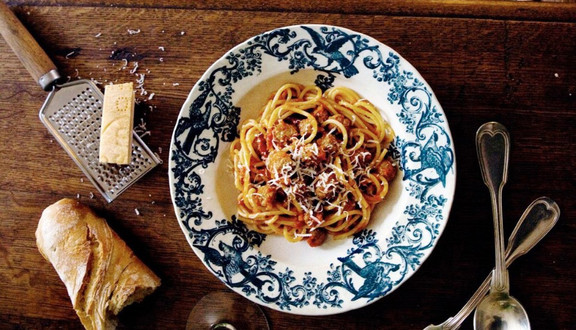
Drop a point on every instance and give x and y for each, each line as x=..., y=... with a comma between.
x=513, y=62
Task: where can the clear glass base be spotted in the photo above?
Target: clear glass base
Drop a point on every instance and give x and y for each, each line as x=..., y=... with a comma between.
x=226, y=311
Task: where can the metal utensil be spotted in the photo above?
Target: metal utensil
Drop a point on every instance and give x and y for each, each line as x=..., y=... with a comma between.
x=498, y=310
x=72, y=113
x=536, y=221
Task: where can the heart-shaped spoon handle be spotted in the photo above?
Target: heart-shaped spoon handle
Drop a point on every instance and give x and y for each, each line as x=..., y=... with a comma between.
x=493, y=148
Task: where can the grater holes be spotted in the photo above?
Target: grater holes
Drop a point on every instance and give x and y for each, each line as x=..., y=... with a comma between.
x=117, y=177
x=78, y=122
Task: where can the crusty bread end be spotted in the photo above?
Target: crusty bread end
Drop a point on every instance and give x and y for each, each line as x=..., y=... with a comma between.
x=101, y=273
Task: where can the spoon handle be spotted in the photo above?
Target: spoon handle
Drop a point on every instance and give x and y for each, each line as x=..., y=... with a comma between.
x=537, y=220
x=535, y=223
x=493, y=148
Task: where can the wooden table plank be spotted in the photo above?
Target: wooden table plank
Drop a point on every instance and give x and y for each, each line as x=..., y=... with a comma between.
x=564, y=10
x=520, y=72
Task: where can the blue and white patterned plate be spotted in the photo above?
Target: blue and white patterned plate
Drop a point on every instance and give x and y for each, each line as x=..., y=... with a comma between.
x=340, y=275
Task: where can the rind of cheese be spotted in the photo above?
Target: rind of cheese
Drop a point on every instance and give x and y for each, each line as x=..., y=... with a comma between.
x=117, y=122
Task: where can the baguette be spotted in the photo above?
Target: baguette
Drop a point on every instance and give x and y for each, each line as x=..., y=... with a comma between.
x=101, y=273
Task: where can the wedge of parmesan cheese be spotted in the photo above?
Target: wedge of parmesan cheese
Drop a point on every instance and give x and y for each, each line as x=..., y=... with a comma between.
x=117, y=122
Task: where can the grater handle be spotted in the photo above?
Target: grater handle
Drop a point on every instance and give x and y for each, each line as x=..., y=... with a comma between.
x=38, y=64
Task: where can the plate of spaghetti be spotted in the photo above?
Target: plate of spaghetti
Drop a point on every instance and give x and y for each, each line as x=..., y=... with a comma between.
x=312, y=169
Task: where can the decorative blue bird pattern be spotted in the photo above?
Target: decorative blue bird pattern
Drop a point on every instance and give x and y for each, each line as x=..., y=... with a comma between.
x=331, y=50
x=229, y=259
x=434, y=157
x=375, y=275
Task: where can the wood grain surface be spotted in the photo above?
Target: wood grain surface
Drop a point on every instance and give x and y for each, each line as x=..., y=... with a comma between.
x=513, y=62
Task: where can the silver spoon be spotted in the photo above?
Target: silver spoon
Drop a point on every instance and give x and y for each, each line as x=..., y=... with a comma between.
x=536, y=221
x=498, y=310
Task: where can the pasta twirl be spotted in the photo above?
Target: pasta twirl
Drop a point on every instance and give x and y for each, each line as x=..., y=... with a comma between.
x=313, y=164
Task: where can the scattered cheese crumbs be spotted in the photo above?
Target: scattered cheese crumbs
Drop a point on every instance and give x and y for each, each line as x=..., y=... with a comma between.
x=117, y=121
x=140, y=82
x=176, y=84
x=135, y=67
x=91, y=195
x=182, y=33
x=556, y=75
x=136, y=211
x=141, y=129
x=124, y=64
x=82, y=180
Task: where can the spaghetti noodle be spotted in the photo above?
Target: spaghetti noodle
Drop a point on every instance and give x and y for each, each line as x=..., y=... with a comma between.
x=313, y=164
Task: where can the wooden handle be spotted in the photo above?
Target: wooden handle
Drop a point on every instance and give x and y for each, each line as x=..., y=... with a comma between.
x=38, y=64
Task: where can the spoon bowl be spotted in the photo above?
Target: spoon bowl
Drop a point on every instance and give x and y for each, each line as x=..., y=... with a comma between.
x=499, y=310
